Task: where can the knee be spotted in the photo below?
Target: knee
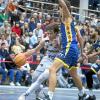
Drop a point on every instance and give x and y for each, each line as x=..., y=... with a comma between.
x=11, y=70
x=19, y=73
x=73, y=74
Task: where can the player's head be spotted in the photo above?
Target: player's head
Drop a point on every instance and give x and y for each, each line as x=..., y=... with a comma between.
x=53, y=30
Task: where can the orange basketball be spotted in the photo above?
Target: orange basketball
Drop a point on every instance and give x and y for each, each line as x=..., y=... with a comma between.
x=20, y=59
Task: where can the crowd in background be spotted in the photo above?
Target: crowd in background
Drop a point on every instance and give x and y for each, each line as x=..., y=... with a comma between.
x=20, y=32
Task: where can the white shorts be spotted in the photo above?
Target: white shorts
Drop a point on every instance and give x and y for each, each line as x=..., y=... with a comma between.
x=45, y=63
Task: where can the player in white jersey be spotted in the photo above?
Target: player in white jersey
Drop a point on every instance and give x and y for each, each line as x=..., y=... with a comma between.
x=42, y=73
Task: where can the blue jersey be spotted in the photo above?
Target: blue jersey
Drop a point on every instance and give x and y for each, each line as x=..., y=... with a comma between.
x=69, y=53
x=68, y=35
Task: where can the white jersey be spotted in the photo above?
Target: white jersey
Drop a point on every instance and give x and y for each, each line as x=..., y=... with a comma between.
x=52, y=50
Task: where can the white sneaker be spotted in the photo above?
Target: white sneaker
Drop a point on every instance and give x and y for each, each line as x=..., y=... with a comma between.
x=22, y=97
x=18, y=84
x=12, y=84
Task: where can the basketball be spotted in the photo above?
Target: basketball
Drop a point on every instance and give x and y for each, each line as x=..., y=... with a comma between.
x=20, y=59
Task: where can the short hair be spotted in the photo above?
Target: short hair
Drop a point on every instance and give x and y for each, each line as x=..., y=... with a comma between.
x=53, y=27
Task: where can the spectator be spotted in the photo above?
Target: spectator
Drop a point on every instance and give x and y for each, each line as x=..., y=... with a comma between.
x=35, y=15
x=17, y=47
x=38, y=32
x=14, y=74
x=33, y=40
x=6, y=28
x=3, y=52
x=17, y=29
x=40, y=18
x=11, y=6
x=3, y=40
x=21, y=22
x=26, y=39
x=3, y=17
x=2, y=71
x=32, y=25
x=25, y=28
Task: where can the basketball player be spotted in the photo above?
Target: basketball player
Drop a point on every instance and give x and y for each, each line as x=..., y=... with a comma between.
x=41, y=74
x=68, y=56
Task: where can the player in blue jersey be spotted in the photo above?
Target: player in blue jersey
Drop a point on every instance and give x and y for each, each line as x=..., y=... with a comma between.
x=68, y=55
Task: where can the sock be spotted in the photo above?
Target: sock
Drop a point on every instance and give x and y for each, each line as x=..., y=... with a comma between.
x=33, y=87
x=38, y=82
x=90, y=92
x=50, y=93
x=38, y=90
x=82, y=91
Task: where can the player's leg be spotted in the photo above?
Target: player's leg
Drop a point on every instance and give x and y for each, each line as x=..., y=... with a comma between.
x=78, y=82
x=36, y=74
x=39, y=70
x=52, y=78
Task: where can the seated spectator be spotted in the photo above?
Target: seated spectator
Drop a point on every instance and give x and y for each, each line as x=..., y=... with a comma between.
x=15, y=75
x=17, y=29
x=32, y=24
x=33, y=40
x=27, y=78
x=6, y=28
x=25, y=28
x=3, y=40
x=21, y=22
x=17, y=47
x=3, y=17
x=11, y=6
x=3, y=52
x=40, y=18
x=3, y=73
x=26, y=40
x=38, y=32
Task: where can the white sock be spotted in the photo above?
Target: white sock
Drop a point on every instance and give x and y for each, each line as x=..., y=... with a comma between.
x=82, y=91
x=33, y=87
x=91, y=92
x=50, y=93
x=38, y=90
x=38, y=82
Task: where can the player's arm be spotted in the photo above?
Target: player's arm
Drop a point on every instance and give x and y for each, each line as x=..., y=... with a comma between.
x=65, y=11
x=80, y=40
x=35, y=50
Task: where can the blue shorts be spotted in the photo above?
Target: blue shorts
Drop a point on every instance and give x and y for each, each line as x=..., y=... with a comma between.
x=70, y=58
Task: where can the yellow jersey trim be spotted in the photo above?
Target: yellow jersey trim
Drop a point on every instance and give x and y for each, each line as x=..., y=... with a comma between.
x=73, y=67
x=66, y=66
x=68, y=35
x=94, y=70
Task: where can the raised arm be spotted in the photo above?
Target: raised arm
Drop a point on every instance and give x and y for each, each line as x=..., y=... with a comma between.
x=66, y=9
x=80, y=40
